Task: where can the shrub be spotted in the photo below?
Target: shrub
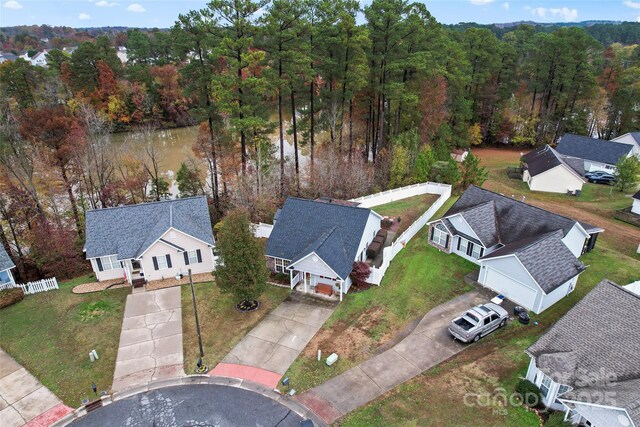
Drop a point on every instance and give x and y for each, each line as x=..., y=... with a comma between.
x=360, y=273
x=556, y=419
x=10, y=296
x=373, y=250
x=386, y=223
x=529, y=392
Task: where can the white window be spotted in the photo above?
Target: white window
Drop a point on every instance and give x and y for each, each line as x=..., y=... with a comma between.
x=563, y=389
x=281, y=265
x=162, y=262
x=545, y=385
x=110, y=262
x=440, y=235
x=463, y=245
x=476, y=251
x=193, y=257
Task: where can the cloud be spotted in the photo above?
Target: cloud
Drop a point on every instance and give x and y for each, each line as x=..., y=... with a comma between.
x=505, y=5
x=84, y=17
x=12, y=4
x=632, y=4
x=481, y=2
x=103, y=3
x=564, y=13
x=135, y=7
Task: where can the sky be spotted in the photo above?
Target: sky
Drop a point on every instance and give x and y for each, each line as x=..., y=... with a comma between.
x=163, y=13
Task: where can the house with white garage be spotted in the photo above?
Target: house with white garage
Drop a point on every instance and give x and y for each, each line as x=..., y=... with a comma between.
x=316, y=243
x=547, y=170
x=6, y=265
x=635, y=206
x=631, y=138
x=525, y=253
x=150, y=241
x=587, y=364
x=597, y=154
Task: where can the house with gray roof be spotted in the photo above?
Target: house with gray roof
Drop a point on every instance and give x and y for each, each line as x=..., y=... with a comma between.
x=150, y=241
x=631, y=138
x=587, y=364
x=316, y=242
x=6, y=264
x=547, y=170
x=635, y=205
x=527, y=254
x=597, y=154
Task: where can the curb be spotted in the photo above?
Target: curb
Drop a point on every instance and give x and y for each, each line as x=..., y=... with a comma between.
x=283, y=399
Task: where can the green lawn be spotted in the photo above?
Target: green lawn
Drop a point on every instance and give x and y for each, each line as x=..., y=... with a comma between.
x=221, y=325
x=419, y=278
x=52, y=333
x=408, y=209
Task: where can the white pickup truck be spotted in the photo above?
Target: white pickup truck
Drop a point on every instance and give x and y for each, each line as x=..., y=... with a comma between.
x=477, y=322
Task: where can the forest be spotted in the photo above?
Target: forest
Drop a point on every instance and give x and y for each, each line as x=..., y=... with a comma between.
x=373, y=103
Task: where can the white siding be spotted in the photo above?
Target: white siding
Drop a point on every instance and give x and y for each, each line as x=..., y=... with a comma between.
x=315, y=265
x=370, y=230
x=556, y=180
x=461, y=225
x=461, y=252
x=591, y=166
x=635, y=207
x=547, y=300
x=178, y=265
x=509, y=278
x=575, y=239
x=116, y=273
x=628, y=139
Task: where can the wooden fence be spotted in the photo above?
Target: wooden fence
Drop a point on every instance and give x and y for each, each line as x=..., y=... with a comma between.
x=30, y=288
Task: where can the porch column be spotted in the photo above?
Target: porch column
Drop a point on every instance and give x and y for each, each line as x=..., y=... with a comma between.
x=306, y=282
x=341, y=287
x=291, y=278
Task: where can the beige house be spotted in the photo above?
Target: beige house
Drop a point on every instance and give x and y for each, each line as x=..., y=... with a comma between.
x=547, y=170
x=150, y=241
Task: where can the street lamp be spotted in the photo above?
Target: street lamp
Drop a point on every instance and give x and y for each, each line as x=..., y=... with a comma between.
x=200, y=367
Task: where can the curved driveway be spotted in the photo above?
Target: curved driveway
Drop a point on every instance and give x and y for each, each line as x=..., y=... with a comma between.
x=193, y=405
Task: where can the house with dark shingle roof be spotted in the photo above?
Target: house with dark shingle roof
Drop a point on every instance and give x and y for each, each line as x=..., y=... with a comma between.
x=631, y=138
x=547, y=170
x=588, y=363
x=316, y=242
x=150, y=241
x=635, y=206
x=6, y=264
x=525, y=253
x=597, y=154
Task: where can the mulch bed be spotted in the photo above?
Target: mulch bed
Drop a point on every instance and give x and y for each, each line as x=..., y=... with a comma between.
x=248, y=306
x=87, y=288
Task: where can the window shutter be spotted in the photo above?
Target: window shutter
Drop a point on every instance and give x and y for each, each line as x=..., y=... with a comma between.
x=186, y=258
x=155, y=263
x=481, y=252
x=99, y=262
x=168, y=260
x=199, y=255
x=446, y=242
x=433, y=230
x=459, y=240
x=470, y=249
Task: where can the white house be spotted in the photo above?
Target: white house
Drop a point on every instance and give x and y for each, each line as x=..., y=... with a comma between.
x=459, y=155
x=546, y=170
x=6, y=264
x=150, y=241
x=631, y=138
x=525, y=253
x=122, y=54
x=597, y=154
x=635, y=206
x=588, y=365
x=39, y=59
x=316, y=242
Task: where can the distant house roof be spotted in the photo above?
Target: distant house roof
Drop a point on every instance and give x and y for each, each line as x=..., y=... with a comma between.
x=5, y=261
x=598, y=150
x=128, y=231
x=636, y=196
x=8, y=56
x=546, y=158
x=333, y=231
x=598, y=338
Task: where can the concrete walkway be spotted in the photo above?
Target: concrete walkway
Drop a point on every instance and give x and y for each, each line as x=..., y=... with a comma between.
x=428, y=345
x=150, y=340
x=23, y=399
x=266, y=353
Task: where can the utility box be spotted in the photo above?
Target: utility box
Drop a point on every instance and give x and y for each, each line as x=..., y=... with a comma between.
x=333, y=358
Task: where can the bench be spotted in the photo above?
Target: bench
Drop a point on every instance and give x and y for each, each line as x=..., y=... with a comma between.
x=323, y=288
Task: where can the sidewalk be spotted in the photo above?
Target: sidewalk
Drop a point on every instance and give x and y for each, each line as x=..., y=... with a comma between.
x=23, y=399
x=150, y=340
x=428, y=345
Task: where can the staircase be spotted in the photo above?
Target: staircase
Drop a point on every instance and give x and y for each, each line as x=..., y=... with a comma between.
x=138, y=283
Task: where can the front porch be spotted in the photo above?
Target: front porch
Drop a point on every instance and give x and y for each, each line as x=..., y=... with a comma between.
x=317, y=285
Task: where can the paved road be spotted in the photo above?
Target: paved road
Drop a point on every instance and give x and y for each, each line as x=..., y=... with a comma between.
x=428, y=345
x=150, y=340
x=23, y=398
x=193, y=405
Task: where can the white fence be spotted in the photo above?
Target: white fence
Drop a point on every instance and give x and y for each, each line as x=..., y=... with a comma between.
x=30, y=288
x=403, y=193
x=390, y=252
x=262, y=230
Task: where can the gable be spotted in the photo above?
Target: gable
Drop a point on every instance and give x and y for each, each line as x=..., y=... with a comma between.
x=598, y=150
x=313, y=263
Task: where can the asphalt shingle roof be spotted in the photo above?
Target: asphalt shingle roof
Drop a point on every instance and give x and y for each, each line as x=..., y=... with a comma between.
x=5, y=261
x=598, y=150
x=332, y=231
x=546, y=158
x=637, y=195
x=598, y=337
x=129, y=230
x=482, y=220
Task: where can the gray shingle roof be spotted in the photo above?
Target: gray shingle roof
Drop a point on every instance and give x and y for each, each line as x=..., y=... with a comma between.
x=636, y=136
x=129, y=230
x=637, y=195
x=5, y=261
x=332, y=231
x=598, y=150
x=482, y=219
x=598, y=337
x=546, y=158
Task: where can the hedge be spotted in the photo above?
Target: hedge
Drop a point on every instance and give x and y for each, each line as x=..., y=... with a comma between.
x=10, y=296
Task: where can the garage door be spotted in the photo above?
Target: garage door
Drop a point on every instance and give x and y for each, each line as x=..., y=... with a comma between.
x=515, y=291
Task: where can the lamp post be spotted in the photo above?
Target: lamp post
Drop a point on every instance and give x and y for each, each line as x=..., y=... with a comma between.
x=200, y=368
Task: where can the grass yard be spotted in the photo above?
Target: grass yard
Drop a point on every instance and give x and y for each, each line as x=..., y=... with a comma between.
x=419, y=278
x=221, y=325
x=408, y=209
x=52, y=333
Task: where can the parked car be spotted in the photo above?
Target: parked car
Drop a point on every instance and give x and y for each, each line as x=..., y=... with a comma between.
x=596, y=173
x=477, y=322
x=605, y=178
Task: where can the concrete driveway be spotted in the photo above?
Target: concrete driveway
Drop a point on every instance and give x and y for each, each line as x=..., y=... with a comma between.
x=150, y=340
x=426, y=346
x=275, y=343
